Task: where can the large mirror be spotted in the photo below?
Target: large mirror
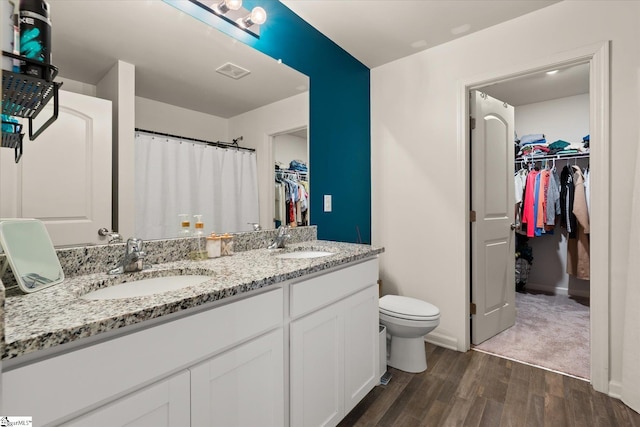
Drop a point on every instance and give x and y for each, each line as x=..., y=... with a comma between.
x=175, y=58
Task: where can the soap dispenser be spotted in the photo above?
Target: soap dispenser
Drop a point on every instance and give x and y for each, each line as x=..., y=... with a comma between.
x=185, y=225
x=199, y=226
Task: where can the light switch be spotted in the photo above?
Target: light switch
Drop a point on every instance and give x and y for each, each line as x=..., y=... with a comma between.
x=327, y=202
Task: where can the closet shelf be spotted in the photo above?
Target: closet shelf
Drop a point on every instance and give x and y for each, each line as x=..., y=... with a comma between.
x=25, y=96
x=552, y=157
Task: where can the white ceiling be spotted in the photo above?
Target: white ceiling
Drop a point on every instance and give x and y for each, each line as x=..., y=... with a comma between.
x=541, y=86
x=380, y=31
x=175, y=55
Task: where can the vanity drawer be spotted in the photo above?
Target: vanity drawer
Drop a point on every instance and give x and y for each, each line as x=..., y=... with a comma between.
x=312, y=294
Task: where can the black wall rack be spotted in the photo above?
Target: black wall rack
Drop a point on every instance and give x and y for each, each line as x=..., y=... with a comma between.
x=25, y=96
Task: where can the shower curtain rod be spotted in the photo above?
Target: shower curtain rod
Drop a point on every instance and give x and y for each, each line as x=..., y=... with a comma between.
x=221, y=144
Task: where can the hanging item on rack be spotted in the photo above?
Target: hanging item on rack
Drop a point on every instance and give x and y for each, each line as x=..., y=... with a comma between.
x=27, y=89
x=575, y=219
x=540, y=198
x=291, y=197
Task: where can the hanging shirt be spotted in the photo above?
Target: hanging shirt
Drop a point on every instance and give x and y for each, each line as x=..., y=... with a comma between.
x=520, y=182
x=567, y=191
x=280, y=205
x=587, y=191
x=553, y=199
x=537, y=231
x=528, y=214
x=542, y=199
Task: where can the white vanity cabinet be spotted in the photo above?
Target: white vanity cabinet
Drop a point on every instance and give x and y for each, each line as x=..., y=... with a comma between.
x=241, y=387
x=225, y=364
x=334, y=343
x=146, y=368
x=165, y=403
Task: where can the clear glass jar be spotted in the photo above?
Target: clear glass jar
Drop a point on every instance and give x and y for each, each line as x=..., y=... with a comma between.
x=227, y=244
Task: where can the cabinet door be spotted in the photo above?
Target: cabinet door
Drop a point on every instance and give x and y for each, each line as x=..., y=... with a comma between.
x=317, y=368
x=241, y=387
x=163, y=404
x=361, y=342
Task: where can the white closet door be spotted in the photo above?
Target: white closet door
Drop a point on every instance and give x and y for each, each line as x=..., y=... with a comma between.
x=493, y=200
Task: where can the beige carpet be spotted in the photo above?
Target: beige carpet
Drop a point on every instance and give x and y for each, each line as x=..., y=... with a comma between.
x=550, y=331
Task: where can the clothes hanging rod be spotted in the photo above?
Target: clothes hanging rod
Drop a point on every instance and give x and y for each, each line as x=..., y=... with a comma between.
x=553, y=157
x=291, y=171
x=220, y=144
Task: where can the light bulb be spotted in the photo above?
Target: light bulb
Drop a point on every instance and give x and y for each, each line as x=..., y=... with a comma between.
x=226, y=5
x=258, y=15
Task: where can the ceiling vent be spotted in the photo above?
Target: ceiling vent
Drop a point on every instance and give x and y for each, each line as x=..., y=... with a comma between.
x=232, y=70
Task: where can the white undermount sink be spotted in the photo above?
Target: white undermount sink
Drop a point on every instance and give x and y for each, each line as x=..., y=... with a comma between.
x=145, y=287
x=303, y=254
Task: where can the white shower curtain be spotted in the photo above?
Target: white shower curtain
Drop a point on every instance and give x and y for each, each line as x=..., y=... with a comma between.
x=180, y=177
x=631, y=337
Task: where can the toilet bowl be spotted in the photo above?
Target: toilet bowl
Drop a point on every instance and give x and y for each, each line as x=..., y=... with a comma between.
x=407, y=321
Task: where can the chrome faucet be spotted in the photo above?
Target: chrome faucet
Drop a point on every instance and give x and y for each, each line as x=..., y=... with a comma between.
x=281, y=235
x=133, y=259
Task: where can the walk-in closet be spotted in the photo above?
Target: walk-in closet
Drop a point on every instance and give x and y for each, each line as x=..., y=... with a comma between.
x=551, y=179
x=291, y=179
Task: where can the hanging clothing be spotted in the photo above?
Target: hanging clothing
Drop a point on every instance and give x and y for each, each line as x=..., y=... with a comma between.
x=553, y=200
x=520, y=182
x=578, y=259
x=280, y=205
x=528, y=209
x=292, y=202
x=567, y=191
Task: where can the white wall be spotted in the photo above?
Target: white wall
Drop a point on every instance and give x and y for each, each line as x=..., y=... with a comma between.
x=289, y=147
x=160, y=117
x=257, y=128
x=418, y=197
x=119, y=86
x=566, y=119
x=76, y=86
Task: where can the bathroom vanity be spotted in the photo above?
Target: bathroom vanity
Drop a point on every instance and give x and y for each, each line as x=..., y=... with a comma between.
x=268, y=340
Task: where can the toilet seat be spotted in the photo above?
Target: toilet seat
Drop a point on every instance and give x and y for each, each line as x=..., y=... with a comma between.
x=408, y=308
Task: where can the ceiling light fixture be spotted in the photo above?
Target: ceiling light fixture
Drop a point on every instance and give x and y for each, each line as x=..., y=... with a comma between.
x=552, y=72
x=230, y=11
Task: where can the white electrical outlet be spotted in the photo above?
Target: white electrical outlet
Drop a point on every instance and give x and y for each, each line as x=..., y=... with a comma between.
x=327, y=202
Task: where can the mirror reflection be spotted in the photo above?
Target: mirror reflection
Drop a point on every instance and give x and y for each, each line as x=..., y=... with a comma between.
x=185, y=86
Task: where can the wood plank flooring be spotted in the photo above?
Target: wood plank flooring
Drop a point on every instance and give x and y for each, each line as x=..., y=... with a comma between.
x=478, y=389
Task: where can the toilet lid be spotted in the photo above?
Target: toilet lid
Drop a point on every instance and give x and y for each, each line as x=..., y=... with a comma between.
x=408, y=308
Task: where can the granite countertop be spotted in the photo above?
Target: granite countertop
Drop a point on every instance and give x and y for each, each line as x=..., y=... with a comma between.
x=57, y=315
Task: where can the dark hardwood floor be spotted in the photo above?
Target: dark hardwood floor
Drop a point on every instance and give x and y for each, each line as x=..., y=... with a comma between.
x=478, y=389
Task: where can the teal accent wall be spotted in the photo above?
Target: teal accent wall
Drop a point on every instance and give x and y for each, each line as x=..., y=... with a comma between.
x=340, y=119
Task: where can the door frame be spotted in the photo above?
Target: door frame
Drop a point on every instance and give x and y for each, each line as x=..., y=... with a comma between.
x=598, y=58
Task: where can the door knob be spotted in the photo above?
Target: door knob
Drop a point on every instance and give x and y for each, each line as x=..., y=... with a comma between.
x=113, y=236
x=513, y=226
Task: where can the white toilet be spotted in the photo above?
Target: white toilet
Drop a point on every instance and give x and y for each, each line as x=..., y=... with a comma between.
x=407, y=321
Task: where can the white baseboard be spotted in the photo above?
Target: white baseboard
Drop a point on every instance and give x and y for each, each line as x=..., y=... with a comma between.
x=557, y=291
x=615, y=389
x=442, y=340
